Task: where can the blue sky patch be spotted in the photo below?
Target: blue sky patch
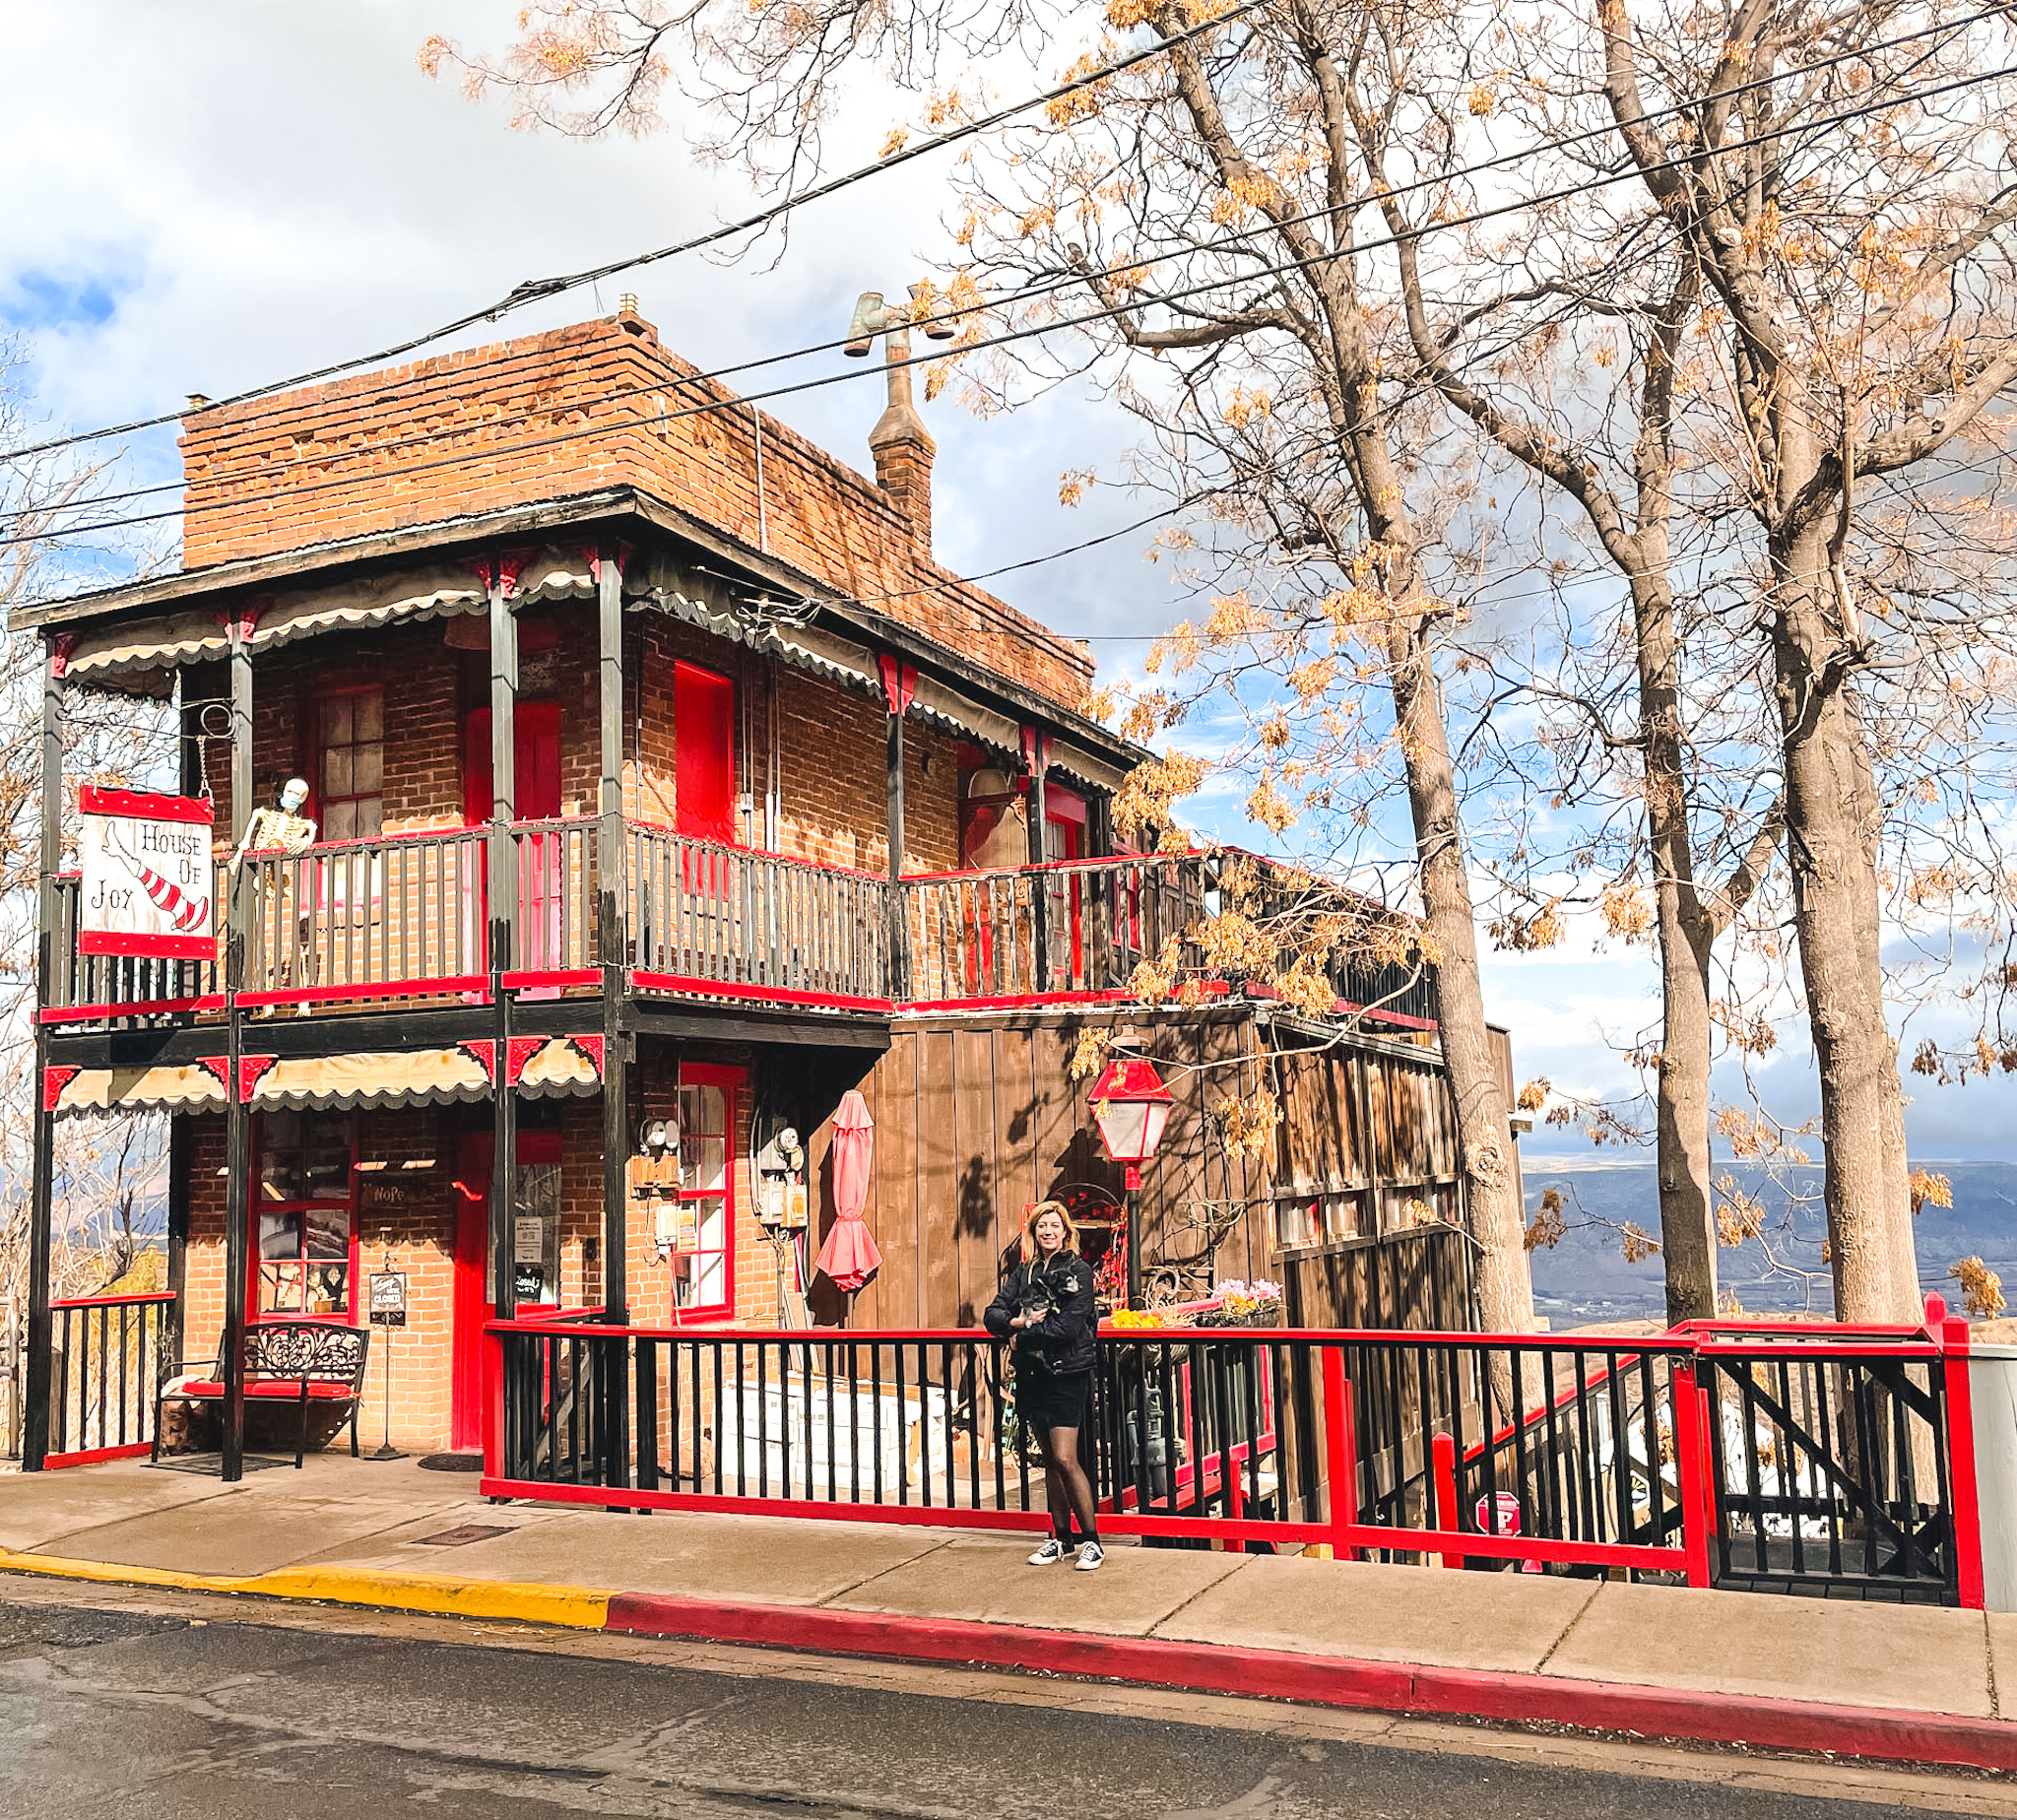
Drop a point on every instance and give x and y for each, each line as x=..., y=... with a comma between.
x=37, y=299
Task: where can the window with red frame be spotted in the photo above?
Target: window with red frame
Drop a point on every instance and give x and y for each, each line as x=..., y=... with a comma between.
x=304, y=1205
x=349, y=762
x=707, y=1185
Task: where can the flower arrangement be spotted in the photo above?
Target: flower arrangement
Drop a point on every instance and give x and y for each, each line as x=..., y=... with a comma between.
x=1137, y=1319
x=1239, y=1304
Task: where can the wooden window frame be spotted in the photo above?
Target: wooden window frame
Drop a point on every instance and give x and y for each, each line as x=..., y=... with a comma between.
x=254, y=1312
x=319, y=802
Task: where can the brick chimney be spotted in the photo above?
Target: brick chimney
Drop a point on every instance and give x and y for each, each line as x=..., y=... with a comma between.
x=901, y=445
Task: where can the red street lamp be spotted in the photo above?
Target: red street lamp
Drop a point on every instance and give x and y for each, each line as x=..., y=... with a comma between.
x=1132, y=1106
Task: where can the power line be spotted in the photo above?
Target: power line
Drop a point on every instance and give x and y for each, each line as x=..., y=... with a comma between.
x=1630, y=173
x=534, y=291
x=1066, y=280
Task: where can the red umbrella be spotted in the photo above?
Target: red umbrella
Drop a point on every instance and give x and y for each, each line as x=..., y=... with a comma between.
x=849, y=1257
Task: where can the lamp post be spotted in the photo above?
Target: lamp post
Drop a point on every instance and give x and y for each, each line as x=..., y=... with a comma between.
x=1132, y=1106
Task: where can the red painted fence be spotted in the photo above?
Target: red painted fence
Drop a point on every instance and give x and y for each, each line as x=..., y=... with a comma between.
x=1820, y=1457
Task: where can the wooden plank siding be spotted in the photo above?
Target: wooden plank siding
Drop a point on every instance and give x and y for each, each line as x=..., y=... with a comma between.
x=975, y=1121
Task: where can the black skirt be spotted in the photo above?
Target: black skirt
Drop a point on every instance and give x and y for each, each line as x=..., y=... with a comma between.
x=1047, y=1400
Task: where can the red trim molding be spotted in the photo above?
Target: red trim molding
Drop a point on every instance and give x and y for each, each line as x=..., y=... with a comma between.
x=146, y=947
x=133, y=1008
x=93, y=1455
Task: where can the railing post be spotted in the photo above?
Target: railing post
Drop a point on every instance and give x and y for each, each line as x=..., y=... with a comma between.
x=1692, y=1473
x=1963, y=1505
x=1341, y=1453
x=1443, y=1492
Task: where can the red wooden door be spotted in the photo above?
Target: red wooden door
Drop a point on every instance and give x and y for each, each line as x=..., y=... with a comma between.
x=473, y=1304
x=536, y=727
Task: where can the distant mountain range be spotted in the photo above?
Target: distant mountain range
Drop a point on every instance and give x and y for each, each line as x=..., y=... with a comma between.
x=1586, y=1278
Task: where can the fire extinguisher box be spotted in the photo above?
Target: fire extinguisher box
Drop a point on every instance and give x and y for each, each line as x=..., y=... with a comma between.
x=1992, y=1395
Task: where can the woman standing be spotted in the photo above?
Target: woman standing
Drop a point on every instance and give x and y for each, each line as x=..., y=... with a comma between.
x=1047, y=1307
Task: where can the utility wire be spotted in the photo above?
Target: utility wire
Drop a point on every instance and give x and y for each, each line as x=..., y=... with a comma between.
x=1629, y=173
x=537, y=289
x=1064, y=280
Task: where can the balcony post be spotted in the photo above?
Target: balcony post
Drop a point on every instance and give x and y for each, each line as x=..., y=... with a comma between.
x=614, y=940
x=42, y=1339
x=237, y=1114
x=1036, y=764
x=503, y=896
x=898, y=681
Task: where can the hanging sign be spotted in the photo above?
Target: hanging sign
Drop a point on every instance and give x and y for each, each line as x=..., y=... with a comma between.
x=146, y=876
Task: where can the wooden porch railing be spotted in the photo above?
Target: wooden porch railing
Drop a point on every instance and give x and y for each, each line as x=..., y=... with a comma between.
x=407, y=916
x=361, y=919
x=710, y=916
x=108, y=984
x=974, y=936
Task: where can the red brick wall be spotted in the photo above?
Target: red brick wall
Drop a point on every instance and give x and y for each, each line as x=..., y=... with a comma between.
x=573, y=410
x=422, y=1243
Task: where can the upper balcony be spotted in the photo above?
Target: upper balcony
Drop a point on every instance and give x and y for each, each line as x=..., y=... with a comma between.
x=407, y=920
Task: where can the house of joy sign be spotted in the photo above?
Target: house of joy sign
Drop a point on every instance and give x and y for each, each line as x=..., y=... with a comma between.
x=146, y=876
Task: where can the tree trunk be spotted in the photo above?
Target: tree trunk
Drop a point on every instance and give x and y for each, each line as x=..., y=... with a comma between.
x=1687, y=1226
x=1484, y=1137
x=1832, y=824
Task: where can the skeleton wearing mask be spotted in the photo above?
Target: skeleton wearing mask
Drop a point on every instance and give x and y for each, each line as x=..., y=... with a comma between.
x=280, y=829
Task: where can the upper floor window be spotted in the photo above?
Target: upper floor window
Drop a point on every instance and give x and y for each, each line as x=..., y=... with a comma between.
x=349, y=762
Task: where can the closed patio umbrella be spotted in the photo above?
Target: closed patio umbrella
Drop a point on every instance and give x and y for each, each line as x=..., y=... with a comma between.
x=849, y=1257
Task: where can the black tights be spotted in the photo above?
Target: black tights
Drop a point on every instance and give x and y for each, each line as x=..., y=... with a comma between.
x=1066, y=1485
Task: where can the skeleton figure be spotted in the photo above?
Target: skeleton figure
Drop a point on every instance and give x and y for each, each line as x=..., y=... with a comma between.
x=279, y=830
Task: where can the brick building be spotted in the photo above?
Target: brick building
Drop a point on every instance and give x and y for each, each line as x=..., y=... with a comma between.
x=661, y=776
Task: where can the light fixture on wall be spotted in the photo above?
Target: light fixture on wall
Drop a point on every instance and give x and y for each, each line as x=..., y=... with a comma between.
x=1132, y=1106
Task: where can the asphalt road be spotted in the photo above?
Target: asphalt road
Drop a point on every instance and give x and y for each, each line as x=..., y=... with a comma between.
x=112, y=1704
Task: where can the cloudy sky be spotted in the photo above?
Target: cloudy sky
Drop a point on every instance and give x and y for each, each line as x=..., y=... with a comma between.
x=217, y=193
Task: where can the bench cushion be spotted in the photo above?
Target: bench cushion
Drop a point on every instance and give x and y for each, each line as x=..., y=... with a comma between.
x=262, y=1387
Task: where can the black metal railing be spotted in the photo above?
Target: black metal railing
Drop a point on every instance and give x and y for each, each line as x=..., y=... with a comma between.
x=1242, y=1434
x=1832, y=1464
x=107, y=1357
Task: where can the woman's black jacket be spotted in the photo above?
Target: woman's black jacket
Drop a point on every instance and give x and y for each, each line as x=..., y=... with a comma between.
x=1063, y=1341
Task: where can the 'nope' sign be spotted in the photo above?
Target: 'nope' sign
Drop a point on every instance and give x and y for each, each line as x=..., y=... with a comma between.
x=146, y=876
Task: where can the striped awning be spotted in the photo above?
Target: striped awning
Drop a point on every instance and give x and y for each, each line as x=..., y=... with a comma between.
x=539, y=1066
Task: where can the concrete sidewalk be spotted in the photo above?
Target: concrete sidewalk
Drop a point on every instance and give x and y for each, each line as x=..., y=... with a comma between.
x=1900, y=1682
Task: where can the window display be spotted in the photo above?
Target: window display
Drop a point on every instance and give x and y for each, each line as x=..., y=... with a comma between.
x=302, y=1203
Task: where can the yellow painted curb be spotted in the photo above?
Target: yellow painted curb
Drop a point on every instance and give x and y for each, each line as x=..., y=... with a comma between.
x=581, y=1608
x=577, y=1608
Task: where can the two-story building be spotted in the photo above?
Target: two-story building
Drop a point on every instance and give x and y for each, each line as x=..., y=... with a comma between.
x=662, y=781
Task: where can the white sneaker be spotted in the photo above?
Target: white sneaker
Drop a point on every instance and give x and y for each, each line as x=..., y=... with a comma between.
x=1090, y=1555
x=1052, y=1551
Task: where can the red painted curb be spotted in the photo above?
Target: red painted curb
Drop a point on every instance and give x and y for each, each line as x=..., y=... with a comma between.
x=1342, y=1681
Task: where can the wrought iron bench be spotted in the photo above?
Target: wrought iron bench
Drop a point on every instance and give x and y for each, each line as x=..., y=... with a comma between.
x=315, y=1362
